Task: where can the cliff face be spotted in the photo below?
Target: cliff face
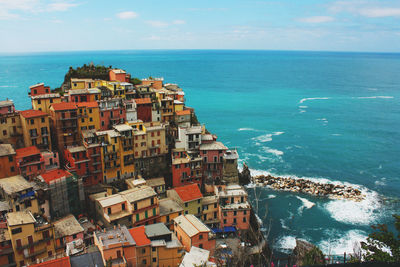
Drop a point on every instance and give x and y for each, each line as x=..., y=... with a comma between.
x=245, y=175
x=306, y=253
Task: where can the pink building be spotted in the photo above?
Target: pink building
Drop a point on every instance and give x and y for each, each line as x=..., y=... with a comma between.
x=51, y=160
x=212, y=153
x=112, y=112
x=67, y=230
x=7, y=107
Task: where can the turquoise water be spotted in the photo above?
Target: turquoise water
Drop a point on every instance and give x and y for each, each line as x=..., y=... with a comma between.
x=326, y=116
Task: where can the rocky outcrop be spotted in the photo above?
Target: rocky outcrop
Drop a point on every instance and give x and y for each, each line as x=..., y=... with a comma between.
x=305, y=253
x=310, y=187
x=245, y=175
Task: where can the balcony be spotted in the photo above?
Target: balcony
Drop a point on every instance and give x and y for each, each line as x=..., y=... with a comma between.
x=35, y=243
x=69, y=118
x=96, y=171
x=27, y=254
x=96, y=163
x=95, y=155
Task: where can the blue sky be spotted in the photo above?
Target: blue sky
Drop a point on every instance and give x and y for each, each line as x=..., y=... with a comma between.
x=61, y=25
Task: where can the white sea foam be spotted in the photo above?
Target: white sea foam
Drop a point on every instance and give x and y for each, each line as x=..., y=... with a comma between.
x=381, y=182
x=266, y=137
x=286, y=243
x=365, y=212
x=306, y=203
x=373, y=97
x=271, y=196
x=246, y=129
x=283, y=224
x=338, y=243
x=372, y=89
x=336, y=134
x=275, y=152
x=313, y=98
x=303, y=106
x=302, y=111
x=322, y=119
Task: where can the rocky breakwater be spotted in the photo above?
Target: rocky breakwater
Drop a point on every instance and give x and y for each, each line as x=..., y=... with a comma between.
x=310, y=187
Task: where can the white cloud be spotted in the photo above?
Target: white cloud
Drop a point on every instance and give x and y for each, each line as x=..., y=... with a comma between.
x=179, y=22
x=380, y=12
x=317, y=19
x=157, y=23
x=60, y=6
x=127, y=15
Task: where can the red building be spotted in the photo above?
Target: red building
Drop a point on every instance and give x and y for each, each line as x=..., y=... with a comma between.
x=212, y=153
x=39, y=89
x=119, y=75
x=112, y=112
x=30, y=162
x=143, y=108
x=185, y=169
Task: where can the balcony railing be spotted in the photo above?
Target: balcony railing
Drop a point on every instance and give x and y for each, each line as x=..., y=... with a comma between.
x=35, y=243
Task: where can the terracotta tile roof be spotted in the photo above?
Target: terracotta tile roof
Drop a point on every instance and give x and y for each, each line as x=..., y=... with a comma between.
x=54, y=175
x=27, y=151
x=139, y=235
x=31, y=113
x=60, y=262
x=141, y=101
x=183, y=112
x=63, y=106
x=92, y=104
x=188, y=192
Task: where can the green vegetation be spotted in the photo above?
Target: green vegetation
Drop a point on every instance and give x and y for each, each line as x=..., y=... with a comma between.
x=313, y=257
x=88, y=71
x=135, y=81
x=383, y=245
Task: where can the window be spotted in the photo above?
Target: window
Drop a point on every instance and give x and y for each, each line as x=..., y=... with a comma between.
x=154, y=259
x=74, y=236
x=51, y=100
x=186, y=205
x=137, y=217
x=16, y=230
x=244, y=212
x=200, y=236
x=144, y=262
x=32, y=121
x=10, y=158
x=154, y=211
x=225, y=214
x=201, y=246
x=4, y=132
x=215, y=205
x=234, y=220
x=90, y=110
x=234, y=213
x=43, y=120
x=123, y=206
x=224, y=221
x=146, y=215
x=186, y=212
x=109, y=210
x=244, y=219
x=153, y=249
x=143, y=250
x=19, y=244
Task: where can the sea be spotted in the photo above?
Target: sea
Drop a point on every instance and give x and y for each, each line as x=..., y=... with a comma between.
x=332, y=117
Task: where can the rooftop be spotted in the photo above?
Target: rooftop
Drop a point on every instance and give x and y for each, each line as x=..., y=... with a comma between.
x=183, y=112
x=231, y=154
x=92, y=104
x=81, y=80
x=188, y=192
x=139, y=235
x=191, y=225
x=110, y=200
x=76, y=149
x=168, y=206
x=44, y=96
x=67, y=226
x=58, y=262
x=56, y=174
x=209, y=200
x=27, y=151
x=36, y=85
x=157, y=229
x=213, y=146
x=6, y=103
x=4, y=206
x=235, y=206
x=155, y=182
x=196, y=257
x=138, y=193
x=123, y=127
x=118, y=71
x=6, y=149
x=20, y=217
x=132, y=182
x=63, y=106
x=14, y=184
x=141, y=101
x=118, y=235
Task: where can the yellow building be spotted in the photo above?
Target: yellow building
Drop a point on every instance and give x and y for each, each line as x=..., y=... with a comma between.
x=167, y=109
x=43, y=102
x=36, y=128
x=89, y=116
x=32, y=237
x=110, y=154
x=77, y=83
x=178, y=105
x=169, y=210
x=210, y=211
x=19, y=194
x=10, y=124
x=126, y=150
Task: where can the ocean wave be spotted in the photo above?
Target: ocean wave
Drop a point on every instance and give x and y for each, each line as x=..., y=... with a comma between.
x=271, y=196
x=337, y=243
x=286, y=243
x=275, y=152
x=374, y=97
x=336, y=134
x=266, y=137
x=8, y=86
x=322, y=119
x=283, y=224
x=303, y=106
x=313, y=98
x=365, y=212
x=306, y=205
x=247, y=129
x=381, y=182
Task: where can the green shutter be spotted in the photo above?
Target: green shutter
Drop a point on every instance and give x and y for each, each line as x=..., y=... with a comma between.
x=137, y=217
x=154, y=211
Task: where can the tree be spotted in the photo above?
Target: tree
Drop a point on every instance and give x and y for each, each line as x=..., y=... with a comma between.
x=136, y=81
x=383, y=245
x=314, y=257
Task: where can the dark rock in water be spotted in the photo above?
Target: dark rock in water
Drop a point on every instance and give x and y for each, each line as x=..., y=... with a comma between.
x=301, y=253
x=245, y=176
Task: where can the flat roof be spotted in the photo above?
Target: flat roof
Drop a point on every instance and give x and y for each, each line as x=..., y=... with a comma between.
x=120, y=235
x=156, y=229
x=191, y=225
x=35, y=85
x=155, y=181
x=67, y=226
x=110, y=200
x=20, y=217
x=209, y=200
x=123, y=127
x=213, y=146
x=76, y=149
x=6, y=149
x=51, y=95
x=14, y=184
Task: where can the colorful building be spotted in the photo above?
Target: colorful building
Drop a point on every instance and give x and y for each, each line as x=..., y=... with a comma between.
x=213, y=159
x=112, y=112
x=88, y=116
x=44, y=101
x=156, y=83
x=144, y=109
x=10, y=125
x=186, y=169
x=93, y=151
x=126, y=155
x=190, y=231
x=143, y=246
x=117, y=247
x=183, y=118
x=119, y=75
x=234, y=209
x=189, y=197
x=84, y=95
x=6, y=250
x=30, y=162
x=77, y=83
x=39, y=89
x=36, y=128
x=8, y=162
x=110, y=154
x=32, y=237
x=66, y=230
x=113, y=210
x=169, y=210
x=210, y=209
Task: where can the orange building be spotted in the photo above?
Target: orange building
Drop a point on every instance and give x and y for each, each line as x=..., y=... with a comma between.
x=156, y=83
x=89, y=116
x=8, y=163
x=36, y=128
x=143, y=246
x=30, y=162
x=192, y=232
x=116, y=245
x=169, y=210
x=119, y=75
x=10, y=125
x=43, y=102
x=39, y=89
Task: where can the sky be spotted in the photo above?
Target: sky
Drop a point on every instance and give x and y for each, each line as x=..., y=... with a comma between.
x=78, y=25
